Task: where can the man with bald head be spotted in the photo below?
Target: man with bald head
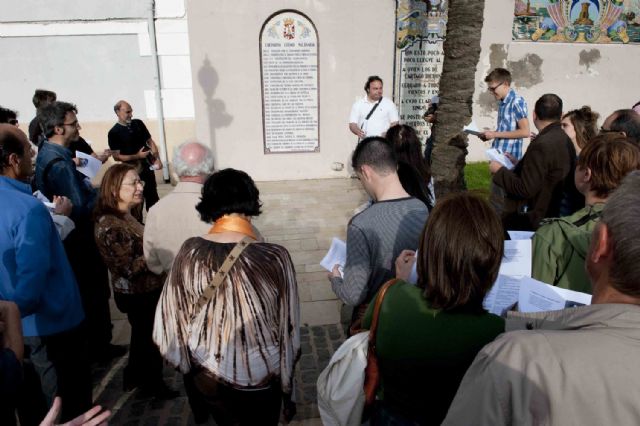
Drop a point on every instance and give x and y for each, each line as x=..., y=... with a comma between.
x=174, y=218
x=133, y=144
x=35, y=274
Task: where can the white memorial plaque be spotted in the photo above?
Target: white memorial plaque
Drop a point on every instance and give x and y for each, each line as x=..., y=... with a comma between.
x=290, y=80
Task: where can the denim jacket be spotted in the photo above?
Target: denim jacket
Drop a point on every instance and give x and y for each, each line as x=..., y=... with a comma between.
x=62, y=178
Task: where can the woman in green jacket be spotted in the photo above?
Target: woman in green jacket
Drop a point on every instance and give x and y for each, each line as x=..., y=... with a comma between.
x=429, y=334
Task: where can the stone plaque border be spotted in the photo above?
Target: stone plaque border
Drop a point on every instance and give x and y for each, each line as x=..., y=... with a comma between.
x=264, y=135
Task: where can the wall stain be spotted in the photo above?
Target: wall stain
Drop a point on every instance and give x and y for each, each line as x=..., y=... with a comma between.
x=589, y=57
x=526, y=72
x=497, y=59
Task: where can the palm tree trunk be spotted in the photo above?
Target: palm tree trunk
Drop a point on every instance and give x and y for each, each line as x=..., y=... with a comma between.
x=457, y=84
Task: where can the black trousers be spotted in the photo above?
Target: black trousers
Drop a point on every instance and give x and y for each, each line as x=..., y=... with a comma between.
x=145, y=362
x=150, y=191
x=62, y=362
x=93, y=283
x=230, y=406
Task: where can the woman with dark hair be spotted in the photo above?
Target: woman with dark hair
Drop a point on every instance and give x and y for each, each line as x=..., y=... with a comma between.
x=229, y=315
x=429, y=334
x=413, y=170
x=136, y=290
x=581, y=126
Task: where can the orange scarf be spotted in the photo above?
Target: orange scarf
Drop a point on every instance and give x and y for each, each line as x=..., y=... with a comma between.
x=233, y=223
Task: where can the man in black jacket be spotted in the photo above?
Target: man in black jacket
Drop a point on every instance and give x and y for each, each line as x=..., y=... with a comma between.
x=536, y=186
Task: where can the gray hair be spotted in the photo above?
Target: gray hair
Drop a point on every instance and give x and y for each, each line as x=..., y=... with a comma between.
x=185, y=168
x=620, y=215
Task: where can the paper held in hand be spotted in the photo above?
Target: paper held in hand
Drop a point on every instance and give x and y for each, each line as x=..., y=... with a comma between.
x=516, y=264
x=89, y=166
x=337, y=255
x=472, y=129
x=497, y=155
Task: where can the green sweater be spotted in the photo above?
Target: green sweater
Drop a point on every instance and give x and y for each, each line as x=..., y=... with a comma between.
x=424, y=353
x=560, y=248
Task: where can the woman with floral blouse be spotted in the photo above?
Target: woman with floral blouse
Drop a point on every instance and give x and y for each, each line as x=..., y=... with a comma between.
x=136, y=289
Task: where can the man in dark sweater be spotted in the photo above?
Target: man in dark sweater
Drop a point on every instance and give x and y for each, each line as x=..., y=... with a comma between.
x=536, y=186
x=377, y=235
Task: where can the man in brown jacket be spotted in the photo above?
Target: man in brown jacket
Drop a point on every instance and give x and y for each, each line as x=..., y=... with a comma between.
x=536, y=186
x=577, y=366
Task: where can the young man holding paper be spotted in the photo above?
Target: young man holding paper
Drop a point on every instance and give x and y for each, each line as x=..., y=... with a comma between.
x=512, y=126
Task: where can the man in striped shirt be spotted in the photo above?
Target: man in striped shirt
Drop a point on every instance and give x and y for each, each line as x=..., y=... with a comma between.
x=512, y=127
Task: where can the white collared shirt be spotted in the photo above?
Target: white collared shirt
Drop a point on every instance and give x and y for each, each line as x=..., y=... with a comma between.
x=379, y=122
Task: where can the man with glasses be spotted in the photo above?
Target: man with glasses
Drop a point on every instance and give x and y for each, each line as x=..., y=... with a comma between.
x=512, y=127
x=625, y=121
x=56, y=174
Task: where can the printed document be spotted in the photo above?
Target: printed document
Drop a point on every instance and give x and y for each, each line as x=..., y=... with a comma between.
x=515, y=265
x=536, y=296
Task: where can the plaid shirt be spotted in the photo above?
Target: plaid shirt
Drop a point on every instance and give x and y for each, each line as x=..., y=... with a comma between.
x=512, y=108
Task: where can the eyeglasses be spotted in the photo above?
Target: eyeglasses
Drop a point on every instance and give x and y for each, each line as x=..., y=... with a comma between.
x=72, y=124
x=493, y=89
x=603, y=130
x=13, y=121
x=135, y=183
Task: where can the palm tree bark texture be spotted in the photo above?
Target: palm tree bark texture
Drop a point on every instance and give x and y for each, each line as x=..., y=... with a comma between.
x=457, y=83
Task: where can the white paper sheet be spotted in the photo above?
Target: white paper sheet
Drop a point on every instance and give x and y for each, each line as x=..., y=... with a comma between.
x=520, y=235
x=92, y=166
x=337, y=254
x=413, y=277
x=472, y=129
x=515, y=265
x=536, y=296
x=496, y=155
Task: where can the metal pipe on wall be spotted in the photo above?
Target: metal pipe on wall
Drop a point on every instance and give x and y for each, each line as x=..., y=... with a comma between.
x=151, y=20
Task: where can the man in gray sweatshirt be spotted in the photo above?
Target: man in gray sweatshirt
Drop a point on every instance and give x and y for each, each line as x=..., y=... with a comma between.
x=377, y=235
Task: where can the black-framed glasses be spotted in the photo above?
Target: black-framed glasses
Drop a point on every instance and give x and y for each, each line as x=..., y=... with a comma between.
x=13, y=121
x=603, y=130
x=72, y=124
x=494, y=88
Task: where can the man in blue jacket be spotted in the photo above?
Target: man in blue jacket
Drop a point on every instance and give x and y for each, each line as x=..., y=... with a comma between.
x=56, y=174
x=35, y=274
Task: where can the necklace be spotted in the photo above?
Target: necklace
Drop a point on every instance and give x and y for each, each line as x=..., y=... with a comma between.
x=233, y=223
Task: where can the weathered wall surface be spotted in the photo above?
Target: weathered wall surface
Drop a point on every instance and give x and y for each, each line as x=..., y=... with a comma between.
x=600, y=75
x=92, y=53
x=355, y=41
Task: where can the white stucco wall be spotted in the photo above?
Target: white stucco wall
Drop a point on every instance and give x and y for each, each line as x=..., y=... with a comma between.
x=355, y=41
x=599, y=75
x=92, y=53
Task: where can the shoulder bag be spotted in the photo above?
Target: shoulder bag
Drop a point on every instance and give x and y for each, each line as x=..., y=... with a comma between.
x=351, y=379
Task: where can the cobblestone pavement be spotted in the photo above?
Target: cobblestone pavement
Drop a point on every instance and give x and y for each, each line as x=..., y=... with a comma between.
x=131, y=408
x=302, y=216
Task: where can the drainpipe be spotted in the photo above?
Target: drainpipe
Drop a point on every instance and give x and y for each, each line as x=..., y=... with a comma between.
x=158, y=86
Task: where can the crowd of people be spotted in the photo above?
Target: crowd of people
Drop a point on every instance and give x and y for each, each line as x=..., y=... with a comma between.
x=203, y=291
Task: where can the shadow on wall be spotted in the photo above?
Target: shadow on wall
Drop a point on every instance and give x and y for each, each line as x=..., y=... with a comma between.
x=216, y=110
